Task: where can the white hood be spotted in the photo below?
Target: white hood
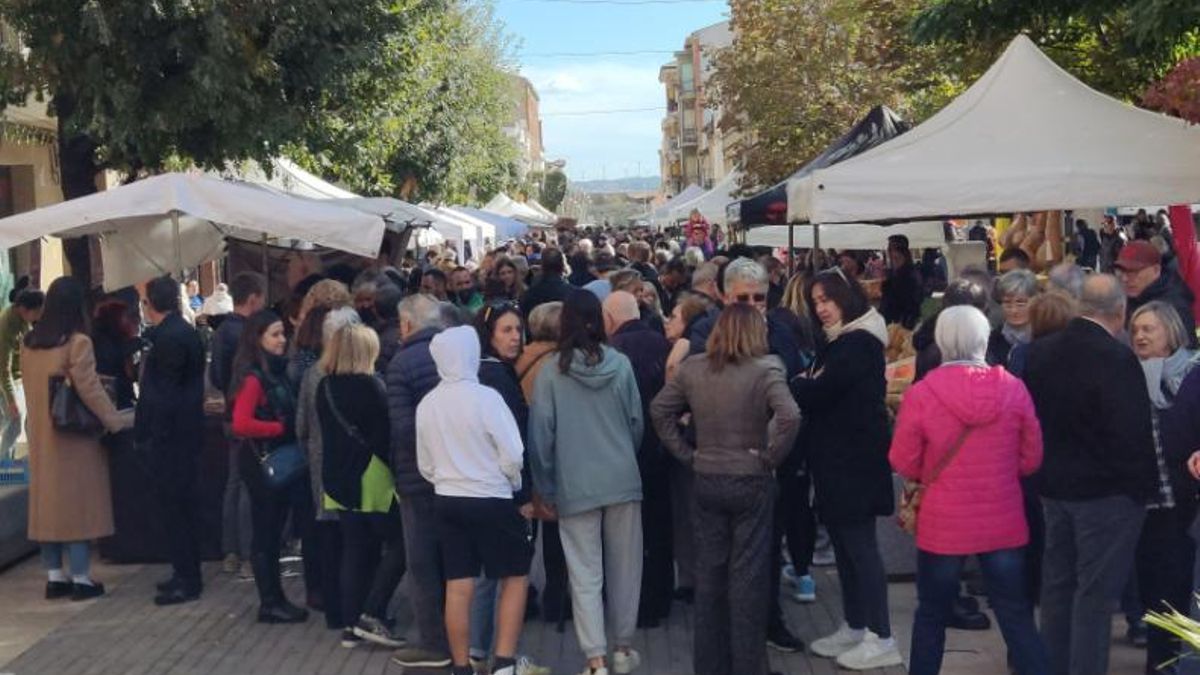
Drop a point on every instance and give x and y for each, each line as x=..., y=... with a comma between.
x=872, y=322
x=456, y=353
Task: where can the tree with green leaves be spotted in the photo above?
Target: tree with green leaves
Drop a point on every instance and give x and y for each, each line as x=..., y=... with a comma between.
x=136, y=85
x=428, y=115
x=553, y=189
x=801, y=72
x=1116, y=46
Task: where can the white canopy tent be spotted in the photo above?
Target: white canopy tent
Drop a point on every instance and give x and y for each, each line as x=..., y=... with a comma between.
x=504, y=205
x=174, y=221
x=545, y=212
x=1027, y=136
x=850, y=236
x=478, y=232
x=711, y=204
x=288, y=177
x=661, y=214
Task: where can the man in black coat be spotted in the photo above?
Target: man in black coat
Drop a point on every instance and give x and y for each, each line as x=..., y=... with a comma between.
x=170, y=429
x=410, y=376
x=647, y=351
x=249, y=293
x=1140, y=269
x=551, y=287
x=1098, y=471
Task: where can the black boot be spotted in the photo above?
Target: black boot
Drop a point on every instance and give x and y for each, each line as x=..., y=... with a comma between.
x=282, y=611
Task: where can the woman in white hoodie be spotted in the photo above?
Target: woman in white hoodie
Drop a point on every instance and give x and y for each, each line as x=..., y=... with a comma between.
x=469, y=448
x=847, y=439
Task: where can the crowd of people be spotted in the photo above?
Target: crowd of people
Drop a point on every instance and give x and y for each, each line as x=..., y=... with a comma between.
x=674, y=419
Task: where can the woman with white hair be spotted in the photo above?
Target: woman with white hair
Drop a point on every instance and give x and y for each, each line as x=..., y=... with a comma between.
x=968, y=433
x=1166, y=553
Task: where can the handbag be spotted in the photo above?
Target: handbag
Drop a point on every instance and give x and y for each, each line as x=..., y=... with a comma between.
x=913, y=492
x=69, y=414
x=283, y=464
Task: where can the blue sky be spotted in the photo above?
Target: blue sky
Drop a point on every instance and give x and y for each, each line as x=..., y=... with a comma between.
x=608, y=145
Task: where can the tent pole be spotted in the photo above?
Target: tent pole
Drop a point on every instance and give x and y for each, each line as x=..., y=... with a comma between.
x=178, y=245
x=791, y=249
x=816, y=242
x=266, y=269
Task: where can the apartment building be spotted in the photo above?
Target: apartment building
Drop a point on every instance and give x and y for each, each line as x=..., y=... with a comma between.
x=693, y=148
x=525, y=127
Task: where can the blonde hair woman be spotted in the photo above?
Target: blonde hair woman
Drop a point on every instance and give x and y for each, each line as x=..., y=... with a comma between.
x=358, y=484
x=746, y=421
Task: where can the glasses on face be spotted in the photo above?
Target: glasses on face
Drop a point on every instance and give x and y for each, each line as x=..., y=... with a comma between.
x=1015, y=303
x=747, y=298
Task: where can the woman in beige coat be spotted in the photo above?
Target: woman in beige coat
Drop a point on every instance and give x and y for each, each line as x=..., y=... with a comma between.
x=70, y=499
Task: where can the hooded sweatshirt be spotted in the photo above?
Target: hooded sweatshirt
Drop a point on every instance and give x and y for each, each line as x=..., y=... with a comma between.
x=585, y=427
x=468, y=444
x=975, y=504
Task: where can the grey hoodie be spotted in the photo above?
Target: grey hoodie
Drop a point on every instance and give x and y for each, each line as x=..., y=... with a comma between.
x=585, y=426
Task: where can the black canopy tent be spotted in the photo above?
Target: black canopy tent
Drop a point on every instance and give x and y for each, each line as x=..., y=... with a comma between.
x=770, y=207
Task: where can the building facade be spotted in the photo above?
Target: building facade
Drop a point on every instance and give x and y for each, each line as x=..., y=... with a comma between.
x=693, y=145
x=525, y=127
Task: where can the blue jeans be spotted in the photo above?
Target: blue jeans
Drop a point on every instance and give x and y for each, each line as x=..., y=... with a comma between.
x=483, y=616
x=79, y=556
x=937, y=588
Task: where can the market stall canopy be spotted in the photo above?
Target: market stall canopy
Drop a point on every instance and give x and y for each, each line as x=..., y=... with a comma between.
x=485, y=232
x=547, y=213
x=661, y=214
x=770, y=207
x=506, y=228
x=1026, y=137
x=712, y=204
x=851, y=236
x=288, y=177
x=175, y=221
x=504, y=205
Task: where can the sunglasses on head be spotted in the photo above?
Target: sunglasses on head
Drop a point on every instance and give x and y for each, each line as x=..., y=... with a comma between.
x=497, y=308
x=745, y=298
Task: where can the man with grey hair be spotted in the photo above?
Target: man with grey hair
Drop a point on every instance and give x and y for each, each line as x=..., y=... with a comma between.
x=704, y=280
x=1098, y=472
x=1068, y=278
x=410, y=376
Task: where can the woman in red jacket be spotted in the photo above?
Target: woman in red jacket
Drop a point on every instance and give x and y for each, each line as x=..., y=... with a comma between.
x=974, y=505
x=264, y=413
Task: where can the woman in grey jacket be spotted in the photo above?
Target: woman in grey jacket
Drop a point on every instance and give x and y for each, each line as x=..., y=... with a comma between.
x=585, y=426
x=734, y=493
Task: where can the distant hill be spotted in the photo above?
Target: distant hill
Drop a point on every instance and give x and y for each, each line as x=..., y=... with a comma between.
x=638, y=184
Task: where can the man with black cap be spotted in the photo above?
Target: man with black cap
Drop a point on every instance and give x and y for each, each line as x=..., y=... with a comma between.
x=1140, y=269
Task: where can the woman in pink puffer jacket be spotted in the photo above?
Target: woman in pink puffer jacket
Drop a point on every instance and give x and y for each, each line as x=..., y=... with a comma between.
x=975, y=506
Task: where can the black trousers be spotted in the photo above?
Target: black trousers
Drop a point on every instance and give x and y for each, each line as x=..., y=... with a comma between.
x=1165, y=558
x=732, y=519
x=269, y=510
x=328, y=535
x=175, y=470
x=373, y=562
x=795, y=521
x=861, y=573
x=556, y=595
x=658, y=565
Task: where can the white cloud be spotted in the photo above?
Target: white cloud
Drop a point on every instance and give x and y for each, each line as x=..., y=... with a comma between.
x=611, y=145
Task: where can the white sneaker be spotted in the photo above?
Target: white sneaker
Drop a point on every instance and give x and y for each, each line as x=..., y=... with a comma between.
x=526, y=666
x=842, y=641
x=873, y=652
x=625, y=662
x=588, y=670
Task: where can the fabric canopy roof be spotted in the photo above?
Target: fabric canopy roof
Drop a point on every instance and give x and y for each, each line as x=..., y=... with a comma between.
x=1026, y=137
x=854, y=237
x=504, y=205
x=661, y=215
x=506, y=228
x=545, y=212
x=174, y=221
x=712, y=204
x=770, y=206
x=288, y=177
